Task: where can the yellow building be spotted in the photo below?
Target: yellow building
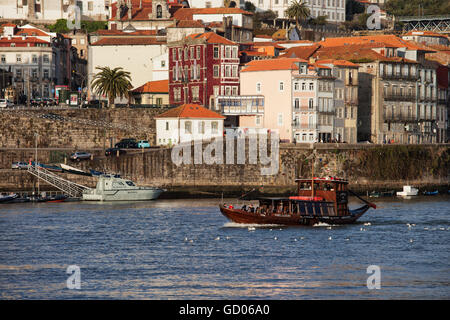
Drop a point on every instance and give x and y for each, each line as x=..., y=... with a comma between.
x=155, y=93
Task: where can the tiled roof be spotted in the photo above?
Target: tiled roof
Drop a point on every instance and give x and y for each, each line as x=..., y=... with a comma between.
x=187, y=24
x=9, y=25
x=355, y=53
x=302, y=52
x=341, y=63
x=190, y=111
x=161, y=86
x=272, y=64
x=123, y=33
x=112, y=41
x=21, y=42
x=387, y=40
x=210, y=37
x=188, y=13
x=31, y=32
x=266, y=44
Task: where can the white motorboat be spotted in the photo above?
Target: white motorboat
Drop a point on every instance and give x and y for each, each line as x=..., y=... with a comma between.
x=112, y=188
x=408, y=191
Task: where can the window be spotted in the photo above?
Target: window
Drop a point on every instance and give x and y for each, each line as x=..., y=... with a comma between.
x=258, y=120
x=186, y=54
x=201, y=127
x=167, y=126
x=228, y=71
x=235, y=71
x=311, y=86
x=227, y=52
x=34, y=58
x=281, y=86
x=235, y=52
x=90, y=6
x=46, y=75
x=195, y=93
x=297, y=103
x=158, y=101
x=159, y=11
x=198, y=52
x=296, y=86
x=34, y=72
x=188, y=127
x=311, y=103
x=234, y=91
x=45, y=58
x=216, y=52
x=303, y=86
x=258, y=87
x=192, y=53
x=228, y=91
x=177, y=94
x=214, y=127
x=280, y=119
x=216, y=71
x=3, y=59
x=163, y=63
x=18, y=58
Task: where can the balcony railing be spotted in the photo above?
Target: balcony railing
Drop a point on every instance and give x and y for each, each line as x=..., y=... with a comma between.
x=399, y=97
x=398, y=76
x=305, y=108
x=400, y=118
x=242, y=110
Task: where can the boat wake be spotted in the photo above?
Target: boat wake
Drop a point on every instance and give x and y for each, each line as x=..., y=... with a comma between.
x=324, y=224
x=249, y=225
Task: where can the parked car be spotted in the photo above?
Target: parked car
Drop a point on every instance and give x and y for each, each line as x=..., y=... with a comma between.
x=78, y=156
x=113, y=151
x=19, y=165
x=143, y=144
x=4, y=103
x=126, y=144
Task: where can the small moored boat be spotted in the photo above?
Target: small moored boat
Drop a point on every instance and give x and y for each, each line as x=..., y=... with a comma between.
x=318, y=200
x=113, y=188
x=431, y=193
x=408, y=191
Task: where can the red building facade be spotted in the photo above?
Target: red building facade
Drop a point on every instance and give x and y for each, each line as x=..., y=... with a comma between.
x=202, y=66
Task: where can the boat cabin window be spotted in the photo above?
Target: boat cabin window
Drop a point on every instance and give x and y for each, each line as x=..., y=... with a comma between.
x=130, y=183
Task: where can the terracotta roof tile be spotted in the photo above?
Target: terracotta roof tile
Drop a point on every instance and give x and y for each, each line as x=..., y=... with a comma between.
x=272, y=64
x=425, y=33
x=210, y=37
x=190, y=111
x=21, y=42
x=31, y=32
x=160, y=86
x=387, y=40
x=302, y=52
x=187, y=24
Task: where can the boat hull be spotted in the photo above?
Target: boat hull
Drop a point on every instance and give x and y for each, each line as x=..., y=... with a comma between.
x=123, y=195
x=245, y=217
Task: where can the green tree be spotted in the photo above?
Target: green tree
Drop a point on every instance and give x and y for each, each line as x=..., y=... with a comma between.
x=60, y=26
x=112, y=82
x=411, y=7
x=250, y=7
x=298, y=11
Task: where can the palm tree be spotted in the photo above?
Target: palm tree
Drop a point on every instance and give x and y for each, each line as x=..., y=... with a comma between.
x=298, y=11
x=112, y=82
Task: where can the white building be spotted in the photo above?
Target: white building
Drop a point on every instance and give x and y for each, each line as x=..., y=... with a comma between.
x=160, y=67
x=139, y=56
x=334, y=10
x=186, y=123
x=52, y=10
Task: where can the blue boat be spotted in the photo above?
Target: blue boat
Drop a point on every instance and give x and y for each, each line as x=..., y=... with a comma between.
x=431, y=193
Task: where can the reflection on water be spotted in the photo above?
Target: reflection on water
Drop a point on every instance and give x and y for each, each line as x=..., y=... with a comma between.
x=185, y=249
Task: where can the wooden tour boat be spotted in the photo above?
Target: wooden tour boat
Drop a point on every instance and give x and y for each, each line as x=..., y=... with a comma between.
x=318, y=200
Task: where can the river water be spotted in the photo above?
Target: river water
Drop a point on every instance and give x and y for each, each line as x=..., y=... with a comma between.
x=185, y=249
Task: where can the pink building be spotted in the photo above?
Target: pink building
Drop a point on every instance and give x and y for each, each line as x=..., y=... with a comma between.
x=292, y=89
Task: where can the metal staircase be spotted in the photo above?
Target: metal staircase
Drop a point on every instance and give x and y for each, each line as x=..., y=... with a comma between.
x=70, y=188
